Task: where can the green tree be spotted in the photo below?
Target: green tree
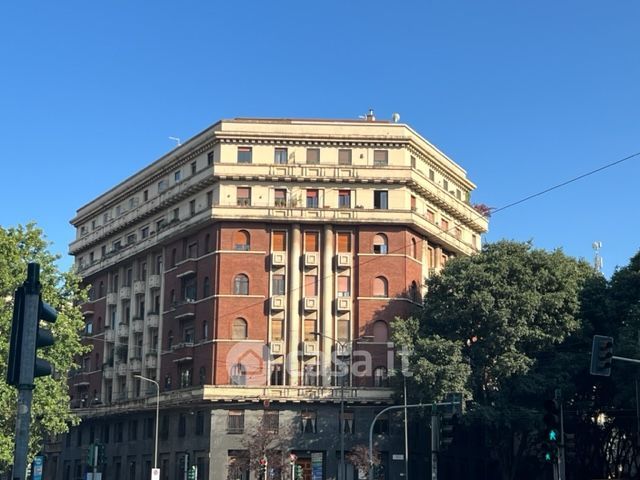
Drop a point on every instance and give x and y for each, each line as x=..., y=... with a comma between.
x=50, y=411
x=493, y=325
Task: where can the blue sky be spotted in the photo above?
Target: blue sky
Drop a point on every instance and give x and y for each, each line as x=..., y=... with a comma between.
x=522, y=94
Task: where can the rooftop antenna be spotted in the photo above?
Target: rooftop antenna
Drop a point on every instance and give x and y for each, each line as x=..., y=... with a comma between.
x=597, y=259
x=177, y=140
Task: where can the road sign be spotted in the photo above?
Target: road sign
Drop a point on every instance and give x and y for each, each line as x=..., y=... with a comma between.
x=38, y=461
x=155, y=474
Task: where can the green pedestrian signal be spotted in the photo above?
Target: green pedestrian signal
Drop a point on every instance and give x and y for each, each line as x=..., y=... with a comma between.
x=192, y=473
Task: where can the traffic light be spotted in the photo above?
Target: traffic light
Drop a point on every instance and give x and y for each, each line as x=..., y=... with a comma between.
x=448, y=423
x=263, y=467
x=551, y=431
x=192, y=473
x=26, y=334
x=299, y=474
x=601, y=355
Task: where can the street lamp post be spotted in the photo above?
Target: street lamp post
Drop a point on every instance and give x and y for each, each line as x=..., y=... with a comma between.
x=157, y=385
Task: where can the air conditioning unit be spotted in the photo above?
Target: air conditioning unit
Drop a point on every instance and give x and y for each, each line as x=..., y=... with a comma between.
x=276, y=347
x=311, y=259
x=343, y=304
x=344, y=260
x=310, y=348
x=279, y=259
x=277, y=302
x=311, y=303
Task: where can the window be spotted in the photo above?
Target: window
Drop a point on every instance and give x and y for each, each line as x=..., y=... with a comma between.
x=202, y=376
x=348, y=423
x=381, y=427
x=238, y=374
x=431, y=216
x=210, y=158
x=280, y=156
x=380, y=378
x=344, y=286
x=277, y=375
x=133, y=430
x=145, y=195
x=313, y=155
x=310, y=285
x=209, y=198
x=189, y=288
x=244, y=154
x=310, y=330
x=380, y=244
x=144, y=233
x=380, y=287
x=413, y=203
x=243, y=195
x=276, y=329
x=312, y=198
x=380, y=331
x=444, y=224
x=432, y=175
x=279, y=241
x=310, y=241
x=192, y=250
x=241, y=240
x=199, y=422
x=277, y=284
x=310, y=375
x=239, y=329
x=280, y=197
x=206, y=287
x=176, y=214
x=344, y=157
x=164, y=427
x=241, y=285
x=344, y=198
x=445, y=184
x=192, y=208
x=235, y=421
x=162, y=186
x=177, y=175
x=186, y=377
x=457, y=232
x=413, y=161
x=308, y=421
x=271, y=421
x=380, y=199
x=149, y=426
x=380, y=158
x=414, y=248
x=207, y=243
x=343, y=330
x=344, y=242
x=194, y=168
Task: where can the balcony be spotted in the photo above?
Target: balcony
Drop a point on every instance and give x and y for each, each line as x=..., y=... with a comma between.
x=122, y=369
x=278, y=259
x=112, y=298
x=81, y=379
x=109, y=335
x=311, y=259
x=107, y=372
x=123, y=330
x=185, y=309
x=154, y=281
x=151, y=360
x=125, y=293
x=137, y=325
x=139, y=287
x=310, y=348
x=298, y=394
x=343, y=260
x=153, y=320
x=276, y=347
x=310, y=303
x=343, y=304
x=135, y=365
x=278, y=302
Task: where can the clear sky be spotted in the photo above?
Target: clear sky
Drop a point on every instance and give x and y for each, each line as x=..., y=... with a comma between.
x=523, y=94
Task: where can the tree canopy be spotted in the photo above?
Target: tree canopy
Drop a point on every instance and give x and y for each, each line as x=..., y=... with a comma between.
x=50, y=410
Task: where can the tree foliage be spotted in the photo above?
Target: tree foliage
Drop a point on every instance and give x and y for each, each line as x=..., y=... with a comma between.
x=50, y=410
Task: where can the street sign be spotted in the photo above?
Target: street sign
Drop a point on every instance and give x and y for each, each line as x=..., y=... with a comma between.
x=397, y=456
x=38, y=461
x=155, y=474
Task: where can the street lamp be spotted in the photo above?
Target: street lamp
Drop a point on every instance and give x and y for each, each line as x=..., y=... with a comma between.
x=343, y=347
x=155, y=461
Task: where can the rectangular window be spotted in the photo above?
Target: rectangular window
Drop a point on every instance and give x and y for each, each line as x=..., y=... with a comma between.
x=199, y=422
x=145, y=195
x=380, y=199
x=432, y=175
x=192, y=250
x=182, y=425
x=162, y=186
x=313, y=155
x=413, y=161
x=310, y=285
x=310, y=241
x=310, y=376
x=192, y=208
x=244, y=154
x=177, y=175
x=194, y=168
x=348, y=423
x=243, y=196
x=457, y=233
x=309, y=330
x=271, y=421
x=144, y=233
x=413, y=203
x=277, y=284
x=176, y=214
x=344, y=242
x=279, y=241
x=445, y=185
x=133, y=430
x=309, y=419
x=431, y=216
x=277, y=376
x=343, y=330
x=210, y=158
x=280, y=156
x=235, y=421
x=344, y=283
x=344, y=156
x=380, y=158
x=444, y=224
x=381, y=427
x=344, y=198
x=312, y=198
x=280, y=197
x=276, y=329
x=209, y=198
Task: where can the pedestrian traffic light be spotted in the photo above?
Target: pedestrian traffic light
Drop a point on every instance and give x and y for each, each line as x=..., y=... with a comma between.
x=26, y=334
x=601, y=355
x=299, y=473
x=192, y=473
x=551, y=430
x=264, y=463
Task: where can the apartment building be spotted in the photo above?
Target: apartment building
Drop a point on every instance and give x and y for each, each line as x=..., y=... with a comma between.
x=253, y=272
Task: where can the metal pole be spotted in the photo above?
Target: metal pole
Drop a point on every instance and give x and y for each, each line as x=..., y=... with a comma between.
x=157, y=385
x=406, y=430
x=435, y=431
x=27, y=364
x=342, y=465
x=94, y=475
x=561, y=463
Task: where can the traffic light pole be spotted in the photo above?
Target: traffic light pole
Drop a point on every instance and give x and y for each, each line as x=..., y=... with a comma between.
x=435, y=440
x=27, y=365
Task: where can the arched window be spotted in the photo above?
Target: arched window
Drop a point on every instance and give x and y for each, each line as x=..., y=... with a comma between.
x=205, y=330
x=167, y=382
x=414, y=248
x=380, y=331
x=99, y=324
x=380, y=287
x=238, y=374
x=174, y=254
x=202, y=376
x=169, y=339
x=172, y=297
x=207, y=243
x=101, y=290
x=380, y=378
x=241, y=240
x=414, y=293
x=239, y=329
x=380, y=244
x=206, y=287
x=241, y=285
